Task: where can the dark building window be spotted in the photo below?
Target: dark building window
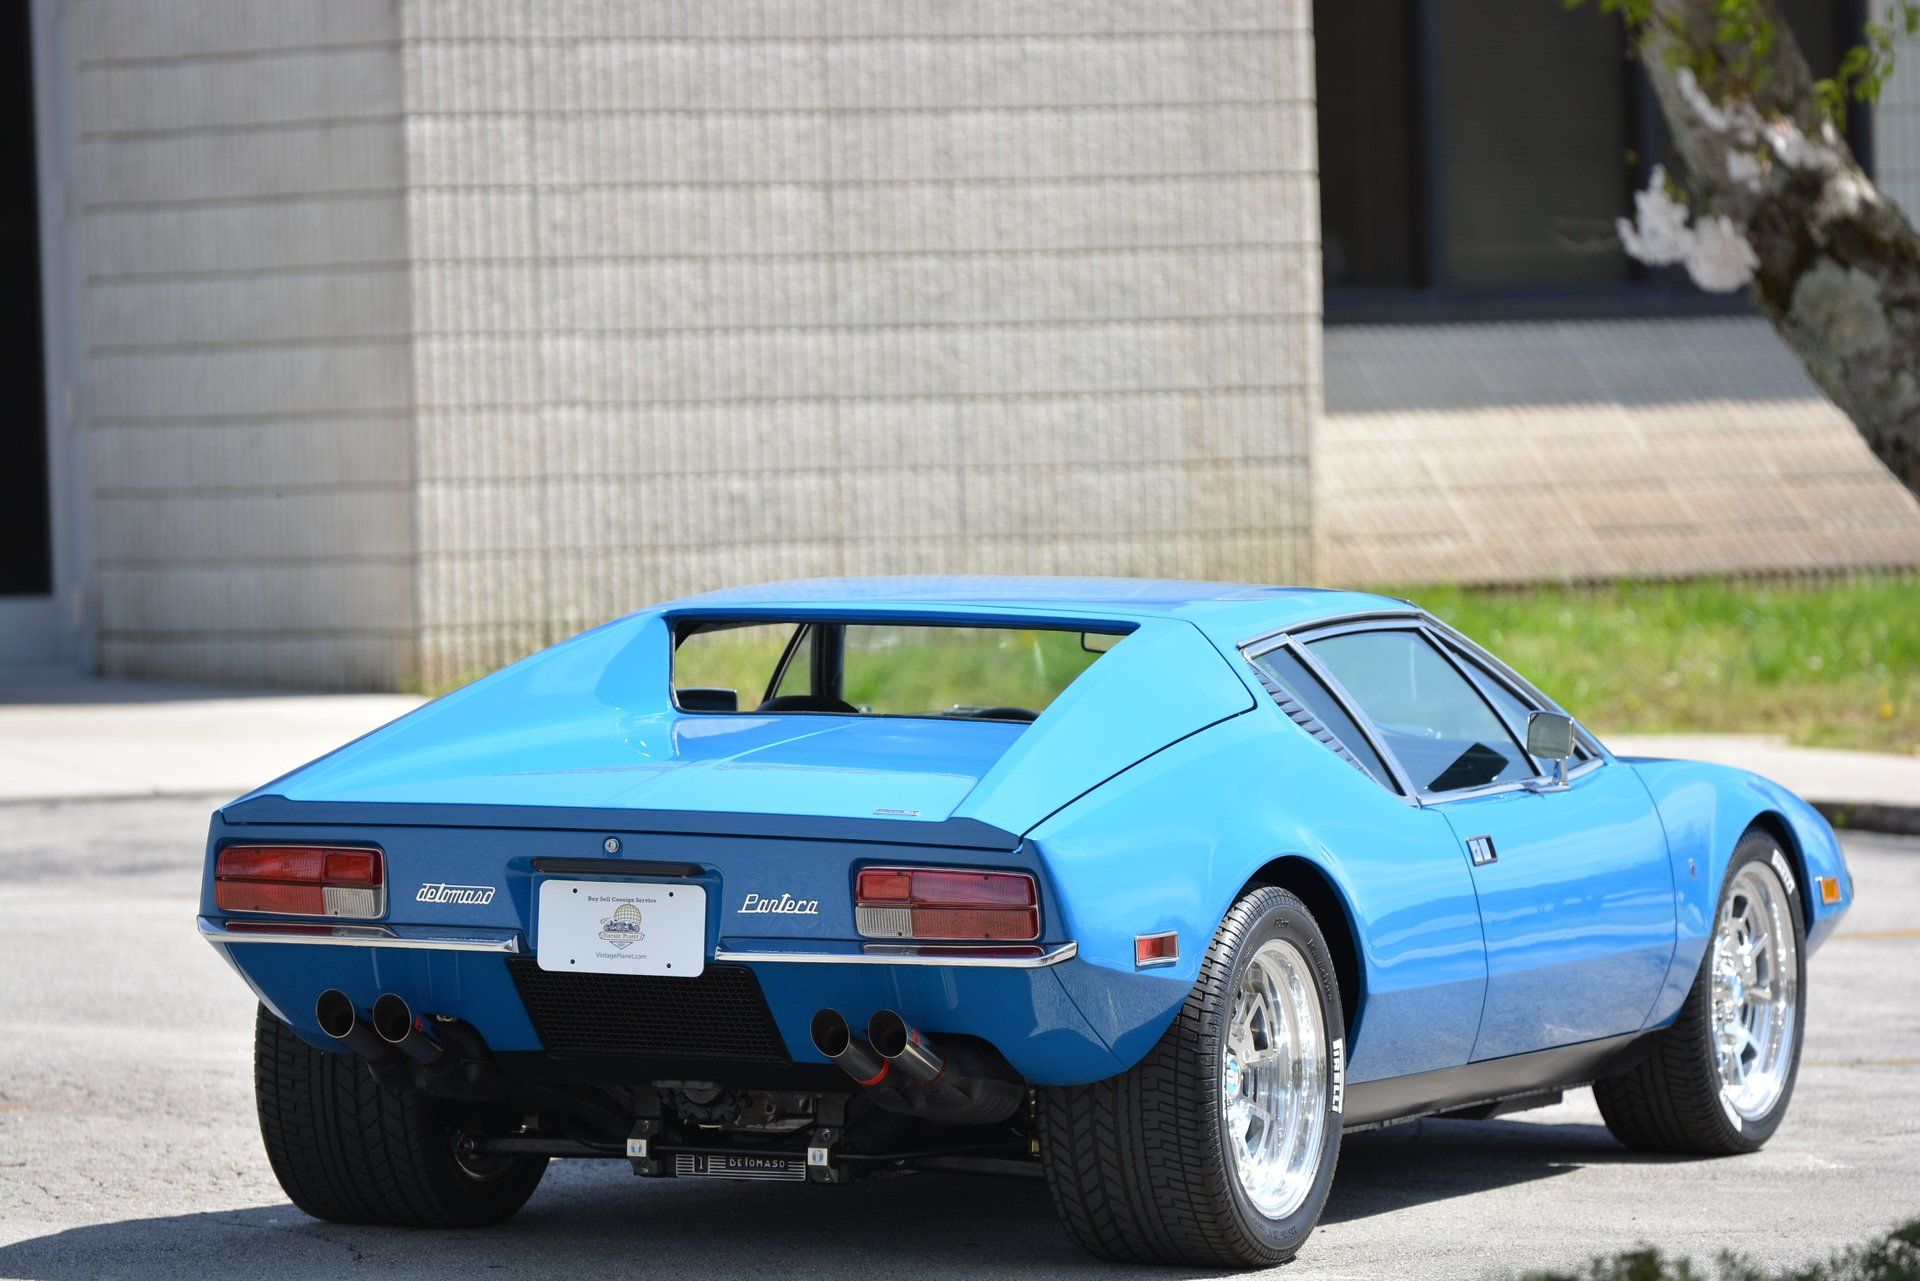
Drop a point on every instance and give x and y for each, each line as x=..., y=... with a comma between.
x=1474, y=155
x=26, y=561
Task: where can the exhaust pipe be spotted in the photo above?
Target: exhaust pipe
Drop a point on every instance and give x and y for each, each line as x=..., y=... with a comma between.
x=833, y=1038
x=394, y=1021
x=962, y=1087
x=901, y=1044
x=338, y=1018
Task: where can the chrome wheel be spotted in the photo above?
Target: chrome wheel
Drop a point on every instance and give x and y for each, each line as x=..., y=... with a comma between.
x=1756, y=998
x=1273, y=1074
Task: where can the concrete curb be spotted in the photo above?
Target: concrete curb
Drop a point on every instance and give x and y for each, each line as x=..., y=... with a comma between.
x=1871, y=816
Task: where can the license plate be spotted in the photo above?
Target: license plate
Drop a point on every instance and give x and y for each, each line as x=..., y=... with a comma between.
x=618, y=927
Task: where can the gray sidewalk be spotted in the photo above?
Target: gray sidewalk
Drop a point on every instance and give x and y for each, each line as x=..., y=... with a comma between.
x=65, y=737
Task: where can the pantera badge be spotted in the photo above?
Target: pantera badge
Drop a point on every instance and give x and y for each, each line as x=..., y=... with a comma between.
x=785, y=905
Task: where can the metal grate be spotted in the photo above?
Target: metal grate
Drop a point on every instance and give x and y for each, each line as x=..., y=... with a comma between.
x=720, y=1016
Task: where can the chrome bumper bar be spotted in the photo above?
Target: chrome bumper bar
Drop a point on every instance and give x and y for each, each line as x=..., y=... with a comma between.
x=950, y=957
x=418, y=937
x=507, y=942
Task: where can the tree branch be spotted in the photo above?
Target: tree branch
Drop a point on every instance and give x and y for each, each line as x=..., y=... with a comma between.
x=1834, y=265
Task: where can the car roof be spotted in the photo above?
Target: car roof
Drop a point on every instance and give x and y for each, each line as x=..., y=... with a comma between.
x=1231, y=612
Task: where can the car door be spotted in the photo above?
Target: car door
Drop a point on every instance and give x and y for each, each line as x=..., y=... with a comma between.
x=1574, y=883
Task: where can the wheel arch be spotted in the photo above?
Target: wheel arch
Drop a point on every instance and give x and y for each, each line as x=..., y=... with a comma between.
x=1309, y=882
x=1775, y=824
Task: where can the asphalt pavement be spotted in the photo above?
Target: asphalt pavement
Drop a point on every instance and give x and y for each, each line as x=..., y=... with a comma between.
x=128, y=1146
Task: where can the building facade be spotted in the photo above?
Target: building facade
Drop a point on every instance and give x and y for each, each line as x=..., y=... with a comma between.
x=383, y=341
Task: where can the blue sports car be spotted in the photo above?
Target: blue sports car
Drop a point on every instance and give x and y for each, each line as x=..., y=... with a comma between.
x=1151, y=889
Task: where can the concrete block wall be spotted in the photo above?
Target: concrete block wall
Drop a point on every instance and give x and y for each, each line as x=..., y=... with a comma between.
x=238, y=361
x=707, y=293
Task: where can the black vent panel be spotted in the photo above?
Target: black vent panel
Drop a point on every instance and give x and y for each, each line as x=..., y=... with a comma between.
x=721, y=1016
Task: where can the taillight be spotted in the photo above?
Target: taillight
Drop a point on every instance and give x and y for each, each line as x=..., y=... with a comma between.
x=300, y=880
x=946, y=903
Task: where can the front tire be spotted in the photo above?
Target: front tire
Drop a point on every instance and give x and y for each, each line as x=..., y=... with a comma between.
x=1218, y=1148
x=350, y=1151
x=1718, y=1081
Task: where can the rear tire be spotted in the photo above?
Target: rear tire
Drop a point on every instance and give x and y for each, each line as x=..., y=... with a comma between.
x=349, y=1151
x=1151, y=1166
x=1679, y=1099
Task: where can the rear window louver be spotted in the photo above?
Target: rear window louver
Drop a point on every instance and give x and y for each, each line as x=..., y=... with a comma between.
x=1306, y=720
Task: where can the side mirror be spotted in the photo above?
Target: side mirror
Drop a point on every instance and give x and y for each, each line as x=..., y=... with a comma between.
x=1550, y=738
x=1550, y=735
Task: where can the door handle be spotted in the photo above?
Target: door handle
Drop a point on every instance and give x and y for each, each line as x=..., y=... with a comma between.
x=1480, y=851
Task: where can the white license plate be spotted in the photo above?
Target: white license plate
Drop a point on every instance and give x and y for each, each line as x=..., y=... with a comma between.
x=618, y=927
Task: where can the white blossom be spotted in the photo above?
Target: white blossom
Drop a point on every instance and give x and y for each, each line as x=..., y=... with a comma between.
x=1715, y=250
x=1657, y=235
x=1796, y=150
x=1720, y=259
x=1746, y=169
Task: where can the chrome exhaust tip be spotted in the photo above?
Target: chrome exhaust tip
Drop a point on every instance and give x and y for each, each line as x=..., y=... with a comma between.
x=393, y=1020
x=334, y=1011
x=833, y=1037
x=901, y=1044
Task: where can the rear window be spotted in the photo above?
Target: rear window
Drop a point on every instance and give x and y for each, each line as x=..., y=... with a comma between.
x=878, y=669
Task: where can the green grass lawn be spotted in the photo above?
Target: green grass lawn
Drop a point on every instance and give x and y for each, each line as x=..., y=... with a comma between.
x=1828, y=664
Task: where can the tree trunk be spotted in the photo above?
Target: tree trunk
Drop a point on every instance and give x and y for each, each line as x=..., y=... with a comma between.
x=1839, y=265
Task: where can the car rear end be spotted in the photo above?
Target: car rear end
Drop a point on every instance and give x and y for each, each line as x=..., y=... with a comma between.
x=581, y=916
x=741, y=937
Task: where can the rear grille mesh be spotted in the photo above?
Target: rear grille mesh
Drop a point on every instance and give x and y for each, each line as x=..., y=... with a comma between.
x=720, y=1016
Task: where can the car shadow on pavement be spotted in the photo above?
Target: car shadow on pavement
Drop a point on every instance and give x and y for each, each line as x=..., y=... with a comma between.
x=591, y=1219
x=1431, y=1160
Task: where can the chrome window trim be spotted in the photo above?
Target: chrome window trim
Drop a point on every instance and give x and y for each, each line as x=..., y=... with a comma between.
x=1446, y=640
x=1539, y=783
x=414, y=938
x=1050, y=957
x=1520, y=684
x=1408, y=790
x=1253, y=646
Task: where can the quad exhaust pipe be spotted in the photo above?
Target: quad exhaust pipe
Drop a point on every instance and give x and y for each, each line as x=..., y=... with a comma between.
x=833, y=1038
x=396, y=1024
x=906, y=1072
x=392, y=1026
x=340, y=1020
x=451, y=1061
x=902, y=1045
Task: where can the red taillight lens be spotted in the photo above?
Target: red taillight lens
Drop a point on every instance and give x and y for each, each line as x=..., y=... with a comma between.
x=946, y=903
x=300, y=880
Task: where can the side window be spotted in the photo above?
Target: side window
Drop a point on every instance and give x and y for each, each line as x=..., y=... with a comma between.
x=1429, y=715
x=1505, y=701
x=1318, y=712
x=1512, y=708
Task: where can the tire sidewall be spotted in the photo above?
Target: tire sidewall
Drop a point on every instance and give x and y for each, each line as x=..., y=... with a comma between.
x=1262, y=915
x=1759, y=847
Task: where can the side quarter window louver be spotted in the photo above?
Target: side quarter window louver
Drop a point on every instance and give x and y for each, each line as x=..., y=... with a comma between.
x=1307, y=721
x=1344, y=739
